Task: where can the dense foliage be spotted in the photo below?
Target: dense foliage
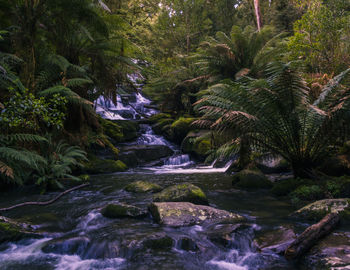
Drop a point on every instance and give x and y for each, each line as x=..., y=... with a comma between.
x=234, y=59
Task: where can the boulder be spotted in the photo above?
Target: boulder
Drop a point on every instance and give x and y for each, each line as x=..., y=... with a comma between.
x=135, y=155
x=177, y=214
x=332, y=252
x=122, y=211
x=185, y=192
x=317, y=210
x=97, y=166
x=180, y=128
x=251, y=179
x=276, y=240
x=11, y=230
x=142, y=187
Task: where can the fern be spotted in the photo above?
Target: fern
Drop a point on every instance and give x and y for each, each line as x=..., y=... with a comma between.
x=275, y=115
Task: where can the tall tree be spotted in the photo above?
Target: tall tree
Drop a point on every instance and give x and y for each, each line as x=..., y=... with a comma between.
x=258, y=14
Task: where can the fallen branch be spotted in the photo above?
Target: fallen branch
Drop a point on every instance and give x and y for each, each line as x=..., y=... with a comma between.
x=310, y=236
x=43, y=203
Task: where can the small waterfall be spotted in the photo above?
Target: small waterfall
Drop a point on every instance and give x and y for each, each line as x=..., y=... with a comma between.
x=149, y=138
x=179, y=160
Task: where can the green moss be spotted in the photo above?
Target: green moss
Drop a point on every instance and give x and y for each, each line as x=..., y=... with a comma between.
x=157, y=117
x=317, y=210
x=181, y=127
x=129, y=129
x=84, y=177
x=121, y=211
x=143, y=186
x=307, y=193
x=9, y=232
x=284, y=187
x=96, y=165
x=182, y=193
x=163, y=126
x=112, y=129
x=251, y=179
x=196, y=146
x=40, y=218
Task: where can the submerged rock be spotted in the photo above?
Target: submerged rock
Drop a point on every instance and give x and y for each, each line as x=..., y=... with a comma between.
x=159, y=242
x=142, y=187
x=332, y=252
x=70, y=246
x=317, y=210
x=11, y=230
x=182, y=193
x=222, y=233
x=251, y=179
x=177, y=214
x=122, y=211
x=277, y=240
x=187, y=244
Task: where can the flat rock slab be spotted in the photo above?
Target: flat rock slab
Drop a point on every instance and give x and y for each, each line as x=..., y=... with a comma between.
x=178, y=214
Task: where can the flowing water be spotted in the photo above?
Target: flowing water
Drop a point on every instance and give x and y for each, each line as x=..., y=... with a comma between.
x=75, y=236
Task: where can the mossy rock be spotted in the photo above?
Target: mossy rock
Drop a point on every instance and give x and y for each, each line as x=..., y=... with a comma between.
x=130, y=129
x=181, y=127
x=157, y=117
x=112, y=130
x=143, y=187
x=317, y=210
x=122, y=211
x=96, y=166
x=41, y=218
x=251, y=179
x=178, y=214
x=182, y=193
x=84, y=177
x=286, y=186
x=163, y=127
x=11, y=230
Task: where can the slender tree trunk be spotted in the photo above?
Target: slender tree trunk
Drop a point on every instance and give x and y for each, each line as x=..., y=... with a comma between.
x=257, y=14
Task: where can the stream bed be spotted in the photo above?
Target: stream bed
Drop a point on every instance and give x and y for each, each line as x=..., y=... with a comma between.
x=75, y=236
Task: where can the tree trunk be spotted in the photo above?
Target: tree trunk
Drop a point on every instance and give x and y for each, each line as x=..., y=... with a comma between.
x=311, y=235
x=257, y=14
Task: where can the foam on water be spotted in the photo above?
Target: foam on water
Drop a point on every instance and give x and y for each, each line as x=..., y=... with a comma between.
x=29, y=252
x=224, y=265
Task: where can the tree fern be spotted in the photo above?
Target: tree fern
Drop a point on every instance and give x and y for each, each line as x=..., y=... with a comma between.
x=275, y=115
